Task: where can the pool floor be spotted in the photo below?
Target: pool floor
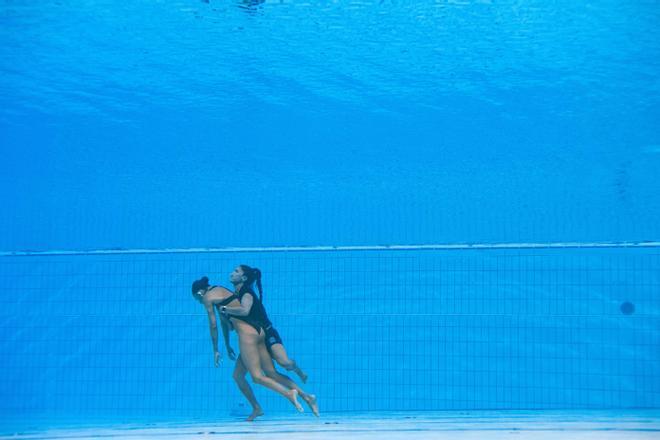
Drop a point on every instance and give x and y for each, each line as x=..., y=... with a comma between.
x=546, y=425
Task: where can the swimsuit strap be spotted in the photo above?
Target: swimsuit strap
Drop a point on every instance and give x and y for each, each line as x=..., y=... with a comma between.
x=226, y=301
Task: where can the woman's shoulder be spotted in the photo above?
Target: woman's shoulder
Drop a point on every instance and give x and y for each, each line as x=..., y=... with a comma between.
x=219, y=293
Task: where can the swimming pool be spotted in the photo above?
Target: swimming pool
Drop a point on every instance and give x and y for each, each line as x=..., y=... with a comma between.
x=454, y=204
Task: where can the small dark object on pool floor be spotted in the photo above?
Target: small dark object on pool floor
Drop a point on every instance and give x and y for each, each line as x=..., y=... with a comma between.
x=627, y=308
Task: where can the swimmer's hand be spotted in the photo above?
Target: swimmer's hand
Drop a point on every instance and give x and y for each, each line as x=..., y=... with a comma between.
x=217, y=358
x=231, y=354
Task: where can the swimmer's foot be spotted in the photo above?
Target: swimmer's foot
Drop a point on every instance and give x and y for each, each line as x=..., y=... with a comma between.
x=255, y=413
x=292, y=395
x=311, y=402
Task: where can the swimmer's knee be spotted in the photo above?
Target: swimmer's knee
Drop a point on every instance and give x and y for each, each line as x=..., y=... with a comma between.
x=259, y=379
x=238, y=377
x=271, y=373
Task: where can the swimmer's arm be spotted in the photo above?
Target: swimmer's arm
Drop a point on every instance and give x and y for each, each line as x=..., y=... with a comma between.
x=225, y=319
x=213, y=326
x=243, y=309
x=224, y=325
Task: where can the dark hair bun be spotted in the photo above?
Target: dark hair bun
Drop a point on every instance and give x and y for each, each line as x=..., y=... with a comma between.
x=202, y=283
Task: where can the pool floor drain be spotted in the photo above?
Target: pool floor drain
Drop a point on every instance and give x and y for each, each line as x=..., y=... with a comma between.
x=627, y=308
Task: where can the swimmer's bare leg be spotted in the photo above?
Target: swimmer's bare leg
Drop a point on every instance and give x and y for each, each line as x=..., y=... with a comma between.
x=269, y=370
x=256, y=412
x=292, y=395
x=253, y=358
x=296, y=369
x=310, y=399
x=239, y=377
x=281, y=357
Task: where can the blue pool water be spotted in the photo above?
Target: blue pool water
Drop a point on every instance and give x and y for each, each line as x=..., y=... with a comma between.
x=349, y=122
x=212, y=124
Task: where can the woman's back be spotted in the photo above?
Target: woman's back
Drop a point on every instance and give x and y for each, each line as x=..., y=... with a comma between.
x=221, y=296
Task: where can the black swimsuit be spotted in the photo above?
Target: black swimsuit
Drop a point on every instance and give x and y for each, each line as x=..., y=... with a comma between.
x=225, y=301
x=258, y=319
x=272, y=338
